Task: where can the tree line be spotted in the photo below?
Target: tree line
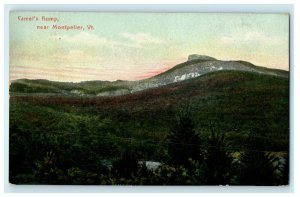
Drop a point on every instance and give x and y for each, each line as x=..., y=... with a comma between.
x=190, y=159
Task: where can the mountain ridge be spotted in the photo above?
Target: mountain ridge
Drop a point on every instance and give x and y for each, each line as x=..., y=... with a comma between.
x=195, y=66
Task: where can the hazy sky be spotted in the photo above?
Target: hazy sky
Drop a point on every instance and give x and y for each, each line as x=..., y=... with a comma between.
x=131, y=46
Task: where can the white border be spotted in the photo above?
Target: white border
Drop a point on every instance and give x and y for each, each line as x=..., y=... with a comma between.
x=142, y=8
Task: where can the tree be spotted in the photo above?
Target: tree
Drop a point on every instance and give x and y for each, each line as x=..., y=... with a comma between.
x=184, y=142
x=218, y=160
x=257, y=167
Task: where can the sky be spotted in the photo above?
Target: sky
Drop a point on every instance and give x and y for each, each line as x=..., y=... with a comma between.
x=133, y=46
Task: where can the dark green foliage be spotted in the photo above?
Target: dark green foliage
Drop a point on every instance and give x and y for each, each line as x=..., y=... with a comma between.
x=257, y=167
x=171, y=175
x=184, y=142
x=46, y=171
x=218, y=161
x=285, y=171
x=40, y=87
x=89, y=140
x=127, y=166
x=24, y=88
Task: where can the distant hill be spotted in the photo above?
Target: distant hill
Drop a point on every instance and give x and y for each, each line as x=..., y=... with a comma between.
x=195, y=66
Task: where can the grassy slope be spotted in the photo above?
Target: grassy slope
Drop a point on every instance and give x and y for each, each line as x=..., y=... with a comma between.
x=52, y=87
x=228, y=101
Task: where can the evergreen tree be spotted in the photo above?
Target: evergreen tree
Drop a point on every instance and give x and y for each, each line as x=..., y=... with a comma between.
x=257, y=167
x=218, y=161
x=184, y=142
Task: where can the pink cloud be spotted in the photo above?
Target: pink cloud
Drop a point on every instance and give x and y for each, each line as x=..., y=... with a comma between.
x=168, y=65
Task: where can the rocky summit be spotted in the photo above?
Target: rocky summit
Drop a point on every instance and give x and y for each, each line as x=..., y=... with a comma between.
x=200, y=57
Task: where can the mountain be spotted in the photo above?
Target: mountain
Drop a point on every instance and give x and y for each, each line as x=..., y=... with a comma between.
x=195, y=66
x=198, y=65
x=234, y=101
x=82, y=133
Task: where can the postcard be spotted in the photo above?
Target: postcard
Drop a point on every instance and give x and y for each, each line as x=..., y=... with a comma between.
x=125, y=98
